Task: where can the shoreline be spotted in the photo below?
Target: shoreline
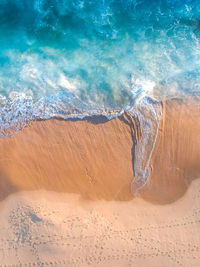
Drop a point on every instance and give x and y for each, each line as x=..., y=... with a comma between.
x=94, y=156
x=10, y=128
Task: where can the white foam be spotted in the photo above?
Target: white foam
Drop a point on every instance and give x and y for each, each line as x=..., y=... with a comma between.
x=149, y=113
x=65, y=83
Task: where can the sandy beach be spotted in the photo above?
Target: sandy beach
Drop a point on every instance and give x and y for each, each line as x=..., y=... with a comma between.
x=66, y=199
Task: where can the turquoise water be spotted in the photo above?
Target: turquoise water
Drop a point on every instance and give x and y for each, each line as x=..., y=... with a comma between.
x=67, y=57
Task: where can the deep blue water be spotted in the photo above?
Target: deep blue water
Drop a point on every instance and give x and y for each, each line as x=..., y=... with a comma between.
x=74, y=56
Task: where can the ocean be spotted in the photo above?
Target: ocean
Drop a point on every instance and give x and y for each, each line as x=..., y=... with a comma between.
x=76, y=57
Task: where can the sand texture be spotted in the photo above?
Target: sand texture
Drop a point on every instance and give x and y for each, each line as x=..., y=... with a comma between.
x=89, y=158
x=66, y=200
x=55, y=229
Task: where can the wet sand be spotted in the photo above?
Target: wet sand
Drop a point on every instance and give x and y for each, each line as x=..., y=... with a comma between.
x=66, y=200
x=176, y=157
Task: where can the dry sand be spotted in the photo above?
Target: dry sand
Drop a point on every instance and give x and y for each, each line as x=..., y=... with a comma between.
x=81, y=212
